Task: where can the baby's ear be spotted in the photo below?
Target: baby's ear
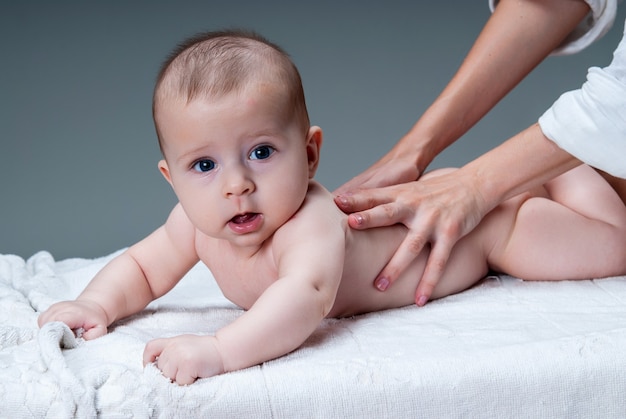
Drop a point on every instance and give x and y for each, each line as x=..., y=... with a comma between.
x=165, y=171
x=313, y=145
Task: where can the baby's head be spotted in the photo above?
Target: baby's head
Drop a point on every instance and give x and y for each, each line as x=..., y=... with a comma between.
x=214, y=64
x=233, y=128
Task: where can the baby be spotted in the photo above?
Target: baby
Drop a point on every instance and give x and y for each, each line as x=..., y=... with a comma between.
x=240, y=154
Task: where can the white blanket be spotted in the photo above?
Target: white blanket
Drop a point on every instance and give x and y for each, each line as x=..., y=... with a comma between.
x=505, y=348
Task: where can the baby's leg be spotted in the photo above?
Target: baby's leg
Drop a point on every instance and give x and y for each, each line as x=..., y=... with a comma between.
x=578, y=232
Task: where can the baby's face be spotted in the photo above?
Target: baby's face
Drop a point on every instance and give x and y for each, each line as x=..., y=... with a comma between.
x=238, y=169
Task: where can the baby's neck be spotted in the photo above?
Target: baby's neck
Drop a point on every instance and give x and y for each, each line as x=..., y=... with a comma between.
x=244, y=252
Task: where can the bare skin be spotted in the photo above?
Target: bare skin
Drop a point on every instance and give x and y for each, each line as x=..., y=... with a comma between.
x=517, y=37
x=534, y=235
x=242, y=163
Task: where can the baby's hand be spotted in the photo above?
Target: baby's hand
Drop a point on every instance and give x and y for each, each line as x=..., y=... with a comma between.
x=185, y=358
x=85, y=315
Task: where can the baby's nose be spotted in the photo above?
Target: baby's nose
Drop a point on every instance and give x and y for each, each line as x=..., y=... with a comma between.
x=238, y=184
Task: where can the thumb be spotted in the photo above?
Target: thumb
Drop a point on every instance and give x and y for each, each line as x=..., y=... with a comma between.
x=152, y=351
x=93, y=332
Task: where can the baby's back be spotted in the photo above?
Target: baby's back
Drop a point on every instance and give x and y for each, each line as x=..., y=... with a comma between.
x=367, y=253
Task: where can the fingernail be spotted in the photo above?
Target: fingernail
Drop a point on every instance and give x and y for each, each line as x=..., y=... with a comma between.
x=343, y=199
x=382, y=283
x=359, y=221
x=422, y=300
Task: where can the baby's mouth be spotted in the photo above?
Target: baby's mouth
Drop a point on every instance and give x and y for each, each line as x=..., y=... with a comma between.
x=243, y=218
x=246, y=223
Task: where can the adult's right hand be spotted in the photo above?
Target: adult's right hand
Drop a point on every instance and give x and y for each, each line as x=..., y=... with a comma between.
x=397, y=166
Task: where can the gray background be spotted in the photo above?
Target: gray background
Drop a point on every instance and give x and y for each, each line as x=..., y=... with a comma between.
x=78, y=173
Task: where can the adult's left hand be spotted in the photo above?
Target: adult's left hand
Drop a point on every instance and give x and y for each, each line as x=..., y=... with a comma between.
x=438, y=209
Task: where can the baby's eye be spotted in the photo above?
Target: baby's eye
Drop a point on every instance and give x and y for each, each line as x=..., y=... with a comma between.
x=204, y=165
x=262, y=152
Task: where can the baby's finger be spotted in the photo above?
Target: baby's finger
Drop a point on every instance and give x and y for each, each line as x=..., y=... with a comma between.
x=433, y=272
x=410, y=248
x=53, y=313
x=94, y=332
x=168, y=368
x=183, y=378
x=73, y=320
x=152, y=351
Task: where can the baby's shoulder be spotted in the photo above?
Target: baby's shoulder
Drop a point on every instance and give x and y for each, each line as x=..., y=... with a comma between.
x=318, y=208
x=318, y=197
x=318, y=216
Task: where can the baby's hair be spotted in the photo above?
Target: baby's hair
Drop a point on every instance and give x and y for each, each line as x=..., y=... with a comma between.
x=213, y=64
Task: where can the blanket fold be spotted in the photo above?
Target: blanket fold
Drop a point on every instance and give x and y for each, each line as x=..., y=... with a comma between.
x=505, y=348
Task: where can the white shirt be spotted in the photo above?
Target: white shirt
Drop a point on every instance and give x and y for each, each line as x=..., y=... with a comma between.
x=590, y=29
x=590, y=123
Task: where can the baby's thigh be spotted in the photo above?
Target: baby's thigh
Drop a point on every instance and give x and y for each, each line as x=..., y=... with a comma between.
x=585, y=191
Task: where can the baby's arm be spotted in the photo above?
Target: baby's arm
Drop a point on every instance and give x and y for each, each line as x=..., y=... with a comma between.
x=129, y=282
x=278, y=322
x=291, y=308
x=309, y=251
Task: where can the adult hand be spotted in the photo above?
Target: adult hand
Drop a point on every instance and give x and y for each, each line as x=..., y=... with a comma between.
x=439, y=209
x=397, y=166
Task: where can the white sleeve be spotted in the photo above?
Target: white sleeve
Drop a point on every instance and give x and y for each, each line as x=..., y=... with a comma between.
x=593, y=26
x=590, y=123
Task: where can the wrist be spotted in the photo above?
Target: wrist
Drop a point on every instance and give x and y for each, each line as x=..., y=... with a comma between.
x=432, y=134
x=487, y=188
x=526, y=160
x=215, y=354
x=108, y=314
x=417, y=147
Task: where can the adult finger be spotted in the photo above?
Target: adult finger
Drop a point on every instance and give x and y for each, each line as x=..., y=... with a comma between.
x=435, y=266
x=360, y=181
x=378, y=216
x=363, y=199
x=394, y=168
x=409, y=249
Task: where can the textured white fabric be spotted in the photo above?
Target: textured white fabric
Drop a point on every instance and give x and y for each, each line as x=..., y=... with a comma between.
x=593, y=27
x=505, y=348
x=590, y=123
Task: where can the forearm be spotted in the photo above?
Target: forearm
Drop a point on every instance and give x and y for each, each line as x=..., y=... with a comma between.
x=120, y=288
x=517, y=37
x=146, y=271
x=527, y=160
x=279, y=322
